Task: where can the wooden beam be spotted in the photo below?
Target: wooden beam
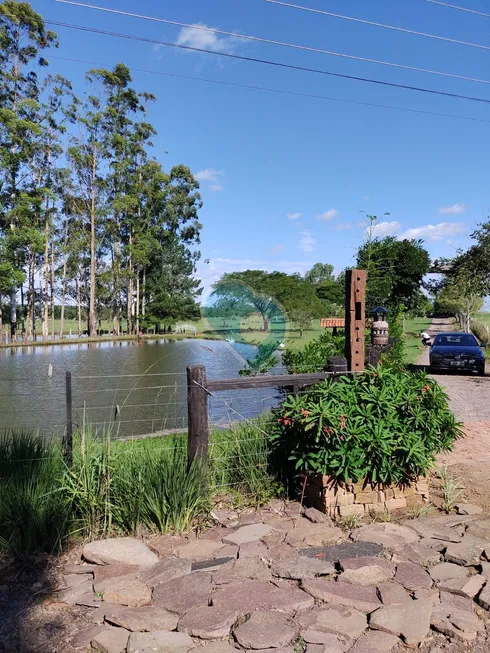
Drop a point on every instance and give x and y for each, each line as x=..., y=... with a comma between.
x=355, y=318
x=273, y=381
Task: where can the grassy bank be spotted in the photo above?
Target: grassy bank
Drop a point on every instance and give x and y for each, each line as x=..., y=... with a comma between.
x=251, y=333
x=412, y=328
x=117, y=487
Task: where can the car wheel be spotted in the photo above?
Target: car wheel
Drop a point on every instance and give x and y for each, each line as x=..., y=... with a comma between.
x=481, y=371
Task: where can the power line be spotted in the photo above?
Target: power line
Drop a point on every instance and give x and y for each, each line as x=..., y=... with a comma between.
x=269, y=62
x=294, y=46
x=470, y=11
x=371, y=22
x=281, y=91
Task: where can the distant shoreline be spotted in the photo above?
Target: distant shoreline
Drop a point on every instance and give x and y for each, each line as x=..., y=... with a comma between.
x=125, y=338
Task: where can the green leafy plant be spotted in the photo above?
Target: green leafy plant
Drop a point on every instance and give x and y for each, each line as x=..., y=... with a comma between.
x=263, y=361
x=385, y=425
x=313, y=357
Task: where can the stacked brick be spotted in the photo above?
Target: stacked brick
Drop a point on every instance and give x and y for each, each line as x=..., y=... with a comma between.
x=334, y=499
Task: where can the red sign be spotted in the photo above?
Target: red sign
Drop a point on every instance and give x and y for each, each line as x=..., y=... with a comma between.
x=329, y=322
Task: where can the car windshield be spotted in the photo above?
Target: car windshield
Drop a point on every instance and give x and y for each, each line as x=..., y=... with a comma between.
x=456, y=340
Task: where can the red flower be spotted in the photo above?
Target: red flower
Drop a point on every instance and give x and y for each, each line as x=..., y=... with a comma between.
x=305, y=412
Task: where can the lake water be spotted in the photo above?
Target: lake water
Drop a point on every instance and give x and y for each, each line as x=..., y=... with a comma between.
x=137, y=388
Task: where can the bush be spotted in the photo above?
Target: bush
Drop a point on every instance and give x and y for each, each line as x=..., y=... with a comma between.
x=313, y=357
x=384, y=425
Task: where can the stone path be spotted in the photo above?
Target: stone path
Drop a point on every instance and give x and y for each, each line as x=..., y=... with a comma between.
x=377, y=589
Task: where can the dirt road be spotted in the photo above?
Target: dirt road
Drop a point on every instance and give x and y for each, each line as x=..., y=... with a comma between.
x=469, y=398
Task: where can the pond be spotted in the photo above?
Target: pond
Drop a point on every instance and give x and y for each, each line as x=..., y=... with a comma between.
x=134, y=387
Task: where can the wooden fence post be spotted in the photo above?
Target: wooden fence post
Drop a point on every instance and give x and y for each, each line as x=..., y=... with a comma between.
x=337, y=364
x=355, y=318
x=197, y=409
x=69, y=421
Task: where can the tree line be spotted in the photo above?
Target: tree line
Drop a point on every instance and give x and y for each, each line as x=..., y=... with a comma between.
x=88, y=215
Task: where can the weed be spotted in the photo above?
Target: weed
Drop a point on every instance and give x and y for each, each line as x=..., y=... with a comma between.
x=351, y=522
x=421, y=510
x=451, y=486
x=380, y=516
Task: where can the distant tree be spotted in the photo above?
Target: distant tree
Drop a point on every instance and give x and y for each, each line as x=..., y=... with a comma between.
x=319, y=273
x=270, y=294
x=396, y=269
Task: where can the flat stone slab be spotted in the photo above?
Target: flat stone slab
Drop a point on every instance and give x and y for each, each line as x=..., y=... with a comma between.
x=468, y=509
x=316, y=516
x=126, y=550
x=220, y=647
x=208, y=622
x=375, y=641
x=410, y=621
x=366, y=570
x=252, y=549
x=79, y=569
x=144, y=619
x=211, y=565
x=447, y=570
x=460, y=625
x=106, y=575
x=111, y=640
x=338, y=620
x=159, y=641
x=456, y=601
x=432, y=596
x=467, y=552
x=362, y=598
x=463, y=586
x=412, y=576
x=165, y=545
x=198, y=550
x=248, y=533
x=337, y=552
x=432, y=529
x=392, y=593
x=419, y=553
x=251, y=568
x=389, y=536
x=166, y=570
x=83, y=639
x=301, y=568
x=251, y=595
x=73, y=594
x=128, y=592
x=73, y=580
x=480, y=528
x=265, y=630
x=484, y=597
x=181, y=594
x=307, y=533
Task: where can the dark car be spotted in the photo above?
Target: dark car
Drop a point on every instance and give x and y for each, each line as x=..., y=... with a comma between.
x=457, y=351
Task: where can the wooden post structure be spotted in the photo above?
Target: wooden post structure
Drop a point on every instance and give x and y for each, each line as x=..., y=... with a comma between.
x=355, y=318
x=197, y=409
x=69, y=422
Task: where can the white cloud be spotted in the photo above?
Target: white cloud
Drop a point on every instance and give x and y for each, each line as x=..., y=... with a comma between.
x=212, y=177
x=200, y=38
x=275, y=249
x=434, y=231
x=383, y=229
x=328, y=215
x=454, y=209
x=307, y=243
x=294, y=216
x=341, y=226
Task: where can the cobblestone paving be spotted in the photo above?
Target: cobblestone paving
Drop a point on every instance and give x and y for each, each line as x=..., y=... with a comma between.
x=426, y=585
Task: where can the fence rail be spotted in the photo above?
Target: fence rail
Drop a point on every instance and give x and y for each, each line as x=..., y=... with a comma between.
x=199, y=388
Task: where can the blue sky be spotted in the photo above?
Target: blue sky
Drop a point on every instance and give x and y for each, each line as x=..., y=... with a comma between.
x=284, y=178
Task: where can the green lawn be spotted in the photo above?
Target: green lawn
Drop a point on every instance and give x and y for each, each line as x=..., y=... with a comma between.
x=412, y=328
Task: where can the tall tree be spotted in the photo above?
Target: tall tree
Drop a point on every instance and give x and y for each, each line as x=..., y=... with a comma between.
x=319, y=273
x=23, y=37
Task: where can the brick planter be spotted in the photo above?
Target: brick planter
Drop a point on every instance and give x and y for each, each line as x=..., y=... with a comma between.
x=332, y=498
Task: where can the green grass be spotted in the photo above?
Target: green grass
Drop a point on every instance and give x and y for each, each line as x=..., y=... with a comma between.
x=483, y=317
x=412, y=328
x=123, y=487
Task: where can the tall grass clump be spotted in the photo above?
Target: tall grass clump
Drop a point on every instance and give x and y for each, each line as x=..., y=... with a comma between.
x=239, y=462
x=33, y=513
